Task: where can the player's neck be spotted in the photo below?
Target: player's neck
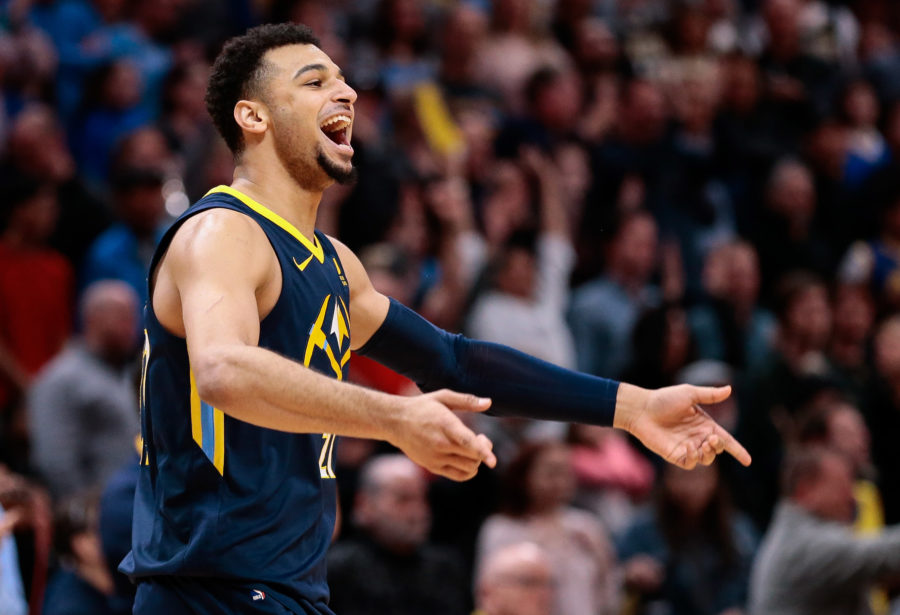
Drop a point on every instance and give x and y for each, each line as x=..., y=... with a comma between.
x=280, y=193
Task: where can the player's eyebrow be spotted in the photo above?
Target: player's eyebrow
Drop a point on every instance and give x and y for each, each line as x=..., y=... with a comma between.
x=318, y=66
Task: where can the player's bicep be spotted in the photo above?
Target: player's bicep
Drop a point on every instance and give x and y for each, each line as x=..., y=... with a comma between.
x=217, y=268
x=368, y=307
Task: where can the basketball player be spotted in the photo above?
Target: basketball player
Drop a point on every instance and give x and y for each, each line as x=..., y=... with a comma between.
x=250, y=324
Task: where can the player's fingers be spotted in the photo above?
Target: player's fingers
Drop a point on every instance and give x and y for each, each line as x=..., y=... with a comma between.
x=711, y=395
x=717, y=444
x=734, y=448
x=454, y=473
x=462, y=401
x=465, y=443
x=707, y=453
x=467, y=466
x=689, y=458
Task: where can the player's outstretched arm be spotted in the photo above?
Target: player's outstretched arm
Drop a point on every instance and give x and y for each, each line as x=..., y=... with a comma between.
x=668, y=421
x=209, y=288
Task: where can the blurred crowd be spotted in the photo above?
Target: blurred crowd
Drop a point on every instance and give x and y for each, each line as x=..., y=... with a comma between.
x=660, y=191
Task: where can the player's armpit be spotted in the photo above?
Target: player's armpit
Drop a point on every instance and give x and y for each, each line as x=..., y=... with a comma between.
x=368, y=307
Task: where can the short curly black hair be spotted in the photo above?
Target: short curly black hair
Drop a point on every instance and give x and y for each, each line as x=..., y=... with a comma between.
x=239, y=69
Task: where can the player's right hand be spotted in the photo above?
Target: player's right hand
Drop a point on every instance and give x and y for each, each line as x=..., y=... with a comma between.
x=436, y=439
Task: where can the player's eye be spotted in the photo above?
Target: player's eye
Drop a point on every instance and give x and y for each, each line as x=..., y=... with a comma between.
x=314, y=83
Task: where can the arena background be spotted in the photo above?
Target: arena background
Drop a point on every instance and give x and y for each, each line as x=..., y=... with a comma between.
x=662, y=191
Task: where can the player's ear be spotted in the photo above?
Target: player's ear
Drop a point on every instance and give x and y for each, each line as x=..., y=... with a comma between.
x=252, y=116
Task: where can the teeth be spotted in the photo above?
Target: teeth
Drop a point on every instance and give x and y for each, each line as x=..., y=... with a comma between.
x=338, y=122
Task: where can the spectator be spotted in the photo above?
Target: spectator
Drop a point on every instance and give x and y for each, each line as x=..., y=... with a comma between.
x=525, y=307
x=810, y=561
x=82, y=585
x=873, y=263
x=389, y=567
x=123, y=251
x=82, y=408
x=882, y=411
x=604, y=311
x=848, y=352
x=690, y=554
x=540, y=485
x=661, y=345
x=787, y=238
x=515, y=580
x=730, y=325
x=110, y=110
x=37, y=150
x=776, y=392
x=36, y=288
x=613, y=478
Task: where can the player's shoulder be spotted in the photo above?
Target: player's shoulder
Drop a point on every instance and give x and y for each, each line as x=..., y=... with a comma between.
x=219, y=237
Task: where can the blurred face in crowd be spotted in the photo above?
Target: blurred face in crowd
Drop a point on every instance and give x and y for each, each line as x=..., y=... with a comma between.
x=829, y=495
x=393, y=505
x=854, y=314
x=887, y=348
x=809, y=316
x=37, y=145
x=187, y=95
x=742, y=90
x=782, y=19
x=848, y=434
x=861, y=105
x=677, y=345
x=596, y=46
x=35, y=219
x=550, y=480
x=142, y=208
x=110, y=314
x=145, y=148
x=463, y=33
x=644, y=112
x=517, y=273
x=558, y=104
x=792, y=193
x=635, y=247
x=743, y=274
x=302, y=96
x=691, y=489
x=516, y=580
x=122, y=87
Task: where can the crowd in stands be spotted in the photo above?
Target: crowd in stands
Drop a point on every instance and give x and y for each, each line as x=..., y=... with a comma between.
x=660, y=191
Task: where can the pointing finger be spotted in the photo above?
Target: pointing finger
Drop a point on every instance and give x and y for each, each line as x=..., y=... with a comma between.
x=734, y=448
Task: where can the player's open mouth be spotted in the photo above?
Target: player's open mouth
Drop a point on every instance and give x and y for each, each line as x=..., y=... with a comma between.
x=336, y=128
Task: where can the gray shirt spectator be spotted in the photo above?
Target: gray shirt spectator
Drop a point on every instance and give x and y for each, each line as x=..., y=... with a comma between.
x=82, y=408
x=811, y=562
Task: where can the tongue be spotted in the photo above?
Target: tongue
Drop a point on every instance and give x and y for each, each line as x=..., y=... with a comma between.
x=338, y=136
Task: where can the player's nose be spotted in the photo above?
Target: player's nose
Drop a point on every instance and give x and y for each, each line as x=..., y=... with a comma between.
x=344, y=93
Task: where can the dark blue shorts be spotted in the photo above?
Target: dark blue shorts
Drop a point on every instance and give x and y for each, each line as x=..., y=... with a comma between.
x=202, y=596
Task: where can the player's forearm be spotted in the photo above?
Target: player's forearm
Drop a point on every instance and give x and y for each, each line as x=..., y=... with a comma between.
x=263, y=388
x=518, y=384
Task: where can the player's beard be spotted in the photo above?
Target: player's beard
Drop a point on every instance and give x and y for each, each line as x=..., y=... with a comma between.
x=310, y=174
x=342, y=175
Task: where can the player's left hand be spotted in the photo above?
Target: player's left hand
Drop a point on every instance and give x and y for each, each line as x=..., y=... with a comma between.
x=671, y=423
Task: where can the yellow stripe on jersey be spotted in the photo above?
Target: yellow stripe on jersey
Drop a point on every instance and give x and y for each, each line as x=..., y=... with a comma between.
x=313, y=246
x=196, y=419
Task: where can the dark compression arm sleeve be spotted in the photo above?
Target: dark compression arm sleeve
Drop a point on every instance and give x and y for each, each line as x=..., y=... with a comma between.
x=519, y=384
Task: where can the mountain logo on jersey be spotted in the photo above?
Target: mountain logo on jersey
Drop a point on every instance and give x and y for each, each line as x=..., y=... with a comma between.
x=338, y=331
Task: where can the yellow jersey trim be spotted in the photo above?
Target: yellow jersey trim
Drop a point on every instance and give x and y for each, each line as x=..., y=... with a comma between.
x=313, y=246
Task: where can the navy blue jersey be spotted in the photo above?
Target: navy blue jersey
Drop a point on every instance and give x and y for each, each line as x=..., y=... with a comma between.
x=218, y=497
